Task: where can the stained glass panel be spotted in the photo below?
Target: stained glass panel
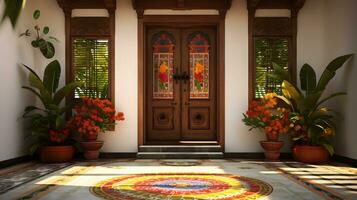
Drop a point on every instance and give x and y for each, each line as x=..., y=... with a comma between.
x=199, y=66
x=163, y=65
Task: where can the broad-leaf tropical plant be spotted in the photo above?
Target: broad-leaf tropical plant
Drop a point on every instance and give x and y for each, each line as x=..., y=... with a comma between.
x=311, y=121
x=49, y=116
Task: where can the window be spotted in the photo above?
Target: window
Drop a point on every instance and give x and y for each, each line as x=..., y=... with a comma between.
x=266, y=52
x=272, y=39
x=92, y=60
x=91, y=67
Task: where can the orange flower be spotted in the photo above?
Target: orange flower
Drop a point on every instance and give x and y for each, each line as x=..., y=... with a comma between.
x=199, y=68
x=163, y=68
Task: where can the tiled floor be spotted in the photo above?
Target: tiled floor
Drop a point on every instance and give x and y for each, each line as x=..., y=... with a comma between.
x=178, y=179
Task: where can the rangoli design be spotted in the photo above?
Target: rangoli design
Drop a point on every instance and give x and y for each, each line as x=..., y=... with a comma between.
x=181, y=186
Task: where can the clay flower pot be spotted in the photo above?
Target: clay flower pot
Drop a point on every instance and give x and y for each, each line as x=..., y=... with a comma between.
x=56, y=154
x=310, y=154
x=272, y=149
x=91, y=149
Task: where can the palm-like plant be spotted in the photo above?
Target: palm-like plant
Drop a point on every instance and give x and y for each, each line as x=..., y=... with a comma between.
x=313, y=122
x=50, y=115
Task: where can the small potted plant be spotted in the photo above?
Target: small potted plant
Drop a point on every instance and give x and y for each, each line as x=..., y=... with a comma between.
x=311, y=122
x=265, y=115
x=92, y=116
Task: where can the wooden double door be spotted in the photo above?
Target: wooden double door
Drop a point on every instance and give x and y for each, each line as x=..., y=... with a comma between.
x=181, y=84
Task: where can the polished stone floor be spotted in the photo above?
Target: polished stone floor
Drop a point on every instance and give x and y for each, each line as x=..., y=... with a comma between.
x=178, y=179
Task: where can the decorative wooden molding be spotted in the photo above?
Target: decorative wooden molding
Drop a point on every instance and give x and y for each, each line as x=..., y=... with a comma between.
x=272, y=26
x=90, y=26
x=221, y=5
x=275, y=4
x=85, y=4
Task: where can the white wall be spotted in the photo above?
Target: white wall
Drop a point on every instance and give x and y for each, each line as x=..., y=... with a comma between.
x=13, y=99
x=326, y=29
x=341, y=38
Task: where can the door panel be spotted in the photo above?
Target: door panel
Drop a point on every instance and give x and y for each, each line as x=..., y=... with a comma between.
x=163, y=106
x=181, y=84
x=199, y=93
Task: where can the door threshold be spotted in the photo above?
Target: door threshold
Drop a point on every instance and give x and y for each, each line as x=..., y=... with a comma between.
x=182, y=143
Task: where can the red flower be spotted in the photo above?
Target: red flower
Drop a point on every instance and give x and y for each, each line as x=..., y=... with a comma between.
x=163, y=77
x=199, y=77
x=93, y=116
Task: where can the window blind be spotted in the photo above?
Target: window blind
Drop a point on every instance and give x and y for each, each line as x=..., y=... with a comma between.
x=268, y=51
x=91, y=67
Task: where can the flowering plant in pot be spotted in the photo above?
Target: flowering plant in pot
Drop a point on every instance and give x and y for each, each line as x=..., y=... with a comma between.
x=92, y=116
x=48, y=130
x=312, y=122
x=265, y=115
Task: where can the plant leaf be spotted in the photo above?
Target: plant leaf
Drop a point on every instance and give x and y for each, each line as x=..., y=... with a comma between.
x=33, y=72
x=330, y=97
x=307, y=78
x=51, y=76
x=46, y=30
x=44, y=101
x=281, y=73
x=12, y=10
x=47, y=49
x=36, y=14
x=64, y=91
x=330, y=71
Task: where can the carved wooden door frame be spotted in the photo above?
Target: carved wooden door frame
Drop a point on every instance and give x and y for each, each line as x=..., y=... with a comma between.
x=181, y=20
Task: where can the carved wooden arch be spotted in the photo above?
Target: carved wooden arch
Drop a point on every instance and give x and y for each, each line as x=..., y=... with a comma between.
x=272, y=27
x=89, y=27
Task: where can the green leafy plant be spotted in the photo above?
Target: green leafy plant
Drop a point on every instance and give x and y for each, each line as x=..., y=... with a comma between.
x=12, y=10
x=41, y=39
x=47, y=123
x=311, y=121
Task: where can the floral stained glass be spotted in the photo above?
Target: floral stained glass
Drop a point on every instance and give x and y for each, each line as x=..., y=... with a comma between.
x=163, y=65
x=199, y=66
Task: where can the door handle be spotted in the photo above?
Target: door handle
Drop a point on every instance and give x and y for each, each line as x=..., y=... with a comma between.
x=185, y=77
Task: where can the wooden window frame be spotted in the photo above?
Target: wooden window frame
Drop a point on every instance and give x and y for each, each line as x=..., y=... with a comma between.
x=106, y=31
x=272, y=27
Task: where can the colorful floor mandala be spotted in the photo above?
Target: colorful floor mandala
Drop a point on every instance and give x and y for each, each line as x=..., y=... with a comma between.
x=181, y=186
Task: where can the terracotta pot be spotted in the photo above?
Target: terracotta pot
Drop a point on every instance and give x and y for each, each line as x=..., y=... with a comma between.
x=310, y=154
x=272, y=149
x=91, y=149
x=272, y=137
x=56, y=154
x=90, y=137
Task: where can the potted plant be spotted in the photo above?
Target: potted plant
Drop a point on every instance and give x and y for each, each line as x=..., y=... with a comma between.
x=92, y=116
x=48, y=130
x=311, y=122
x=265, y=115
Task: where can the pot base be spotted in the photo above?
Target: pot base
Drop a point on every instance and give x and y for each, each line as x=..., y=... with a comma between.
x=91, y=149
x=272, y=150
